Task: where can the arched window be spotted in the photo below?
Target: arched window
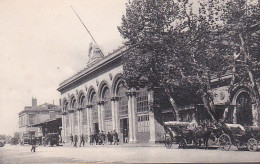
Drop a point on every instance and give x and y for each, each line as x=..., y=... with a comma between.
x=84, y=111
x=122, y=101
x=107, y=104
x=142, y=100
x=93, y=101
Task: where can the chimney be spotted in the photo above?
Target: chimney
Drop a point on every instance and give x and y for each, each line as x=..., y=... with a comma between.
x=34, y=102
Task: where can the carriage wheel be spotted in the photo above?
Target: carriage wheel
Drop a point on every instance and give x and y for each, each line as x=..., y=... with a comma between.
x=168, y=142
x=224, y=142
x=252, y=144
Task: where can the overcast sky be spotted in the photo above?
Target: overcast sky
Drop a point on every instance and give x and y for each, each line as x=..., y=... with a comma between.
x=42, y=43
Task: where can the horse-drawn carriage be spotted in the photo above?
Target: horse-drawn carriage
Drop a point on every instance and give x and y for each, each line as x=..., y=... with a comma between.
x=236, y=134
x=178, y=132
x=224, y=135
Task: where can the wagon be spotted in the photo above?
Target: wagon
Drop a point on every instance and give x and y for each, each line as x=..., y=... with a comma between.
x=178, y=132
x=236, y=134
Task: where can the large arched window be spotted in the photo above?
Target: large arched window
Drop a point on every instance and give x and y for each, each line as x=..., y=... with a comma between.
x=93, y=101
x=84, y=111
x=142, y=101
x=107, y=104
x=122, y=100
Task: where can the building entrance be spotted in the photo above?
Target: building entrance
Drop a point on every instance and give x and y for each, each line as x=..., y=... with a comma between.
x=96, y=127
x=124, y=130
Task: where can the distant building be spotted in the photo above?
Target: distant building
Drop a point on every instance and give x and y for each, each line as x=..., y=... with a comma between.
x=32, y=119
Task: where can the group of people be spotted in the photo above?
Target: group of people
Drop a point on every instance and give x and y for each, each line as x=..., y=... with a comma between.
x=98, y=138
x=74, y=140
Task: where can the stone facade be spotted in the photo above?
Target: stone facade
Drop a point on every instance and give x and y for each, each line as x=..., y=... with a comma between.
x=96, y=99
x=35, y=115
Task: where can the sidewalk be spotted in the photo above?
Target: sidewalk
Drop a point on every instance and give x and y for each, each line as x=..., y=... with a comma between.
x=120, y=145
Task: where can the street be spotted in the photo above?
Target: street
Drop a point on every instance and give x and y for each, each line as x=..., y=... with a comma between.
x=10, y=154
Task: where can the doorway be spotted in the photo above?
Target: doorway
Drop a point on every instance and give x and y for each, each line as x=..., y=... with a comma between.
x=124, y=130
x=96, y=128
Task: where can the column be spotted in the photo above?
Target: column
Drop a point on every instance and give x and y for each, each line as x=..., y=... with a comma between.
x=63, y=126
x=72, y=122
x=99, y=116
x=131, y=136
x=79, y=110
x=151, y=117
x=134, y=116
x=113, y=113
x=117, y=126
x=88, y=122
x=102, y=115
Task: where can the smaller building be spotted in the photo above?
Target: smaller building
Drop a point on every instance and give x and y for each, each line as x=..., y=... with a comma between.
x=34, y=120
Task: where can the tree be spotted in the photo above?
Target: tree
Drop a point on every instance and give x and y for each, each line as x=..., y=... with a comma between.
x=174, y=48
x=241, y=27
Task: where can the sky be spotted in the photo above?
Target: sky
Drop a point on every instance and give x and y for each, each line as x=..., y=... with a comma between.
x=42, y=43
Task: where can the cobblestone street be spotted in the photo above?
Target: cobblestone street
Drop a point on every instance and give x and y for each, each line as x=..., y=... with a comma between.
x=127, y=154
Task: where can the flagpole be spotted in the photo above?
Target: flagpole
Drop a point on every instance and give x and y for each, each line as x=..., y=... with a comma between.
x=84, y=25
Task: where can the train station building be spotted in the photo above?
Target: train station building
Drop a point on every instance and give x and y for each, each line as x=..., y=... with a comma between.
x=96, y=99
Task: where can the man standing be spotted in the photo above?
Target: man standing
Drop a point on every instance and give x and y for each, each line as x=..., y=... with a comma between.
x=33, y=144
x=76, y=140
x=71, y=139
x=125, y=135
x=115, y=137
x=82, y=140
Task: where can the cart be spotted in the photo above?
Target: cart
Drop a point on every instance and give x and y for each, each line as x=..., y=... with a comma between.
x=236, y=134
x=178, y=132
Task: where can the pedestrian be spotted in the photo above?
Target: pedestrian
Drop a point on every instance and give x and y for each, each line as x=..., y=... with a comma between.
x=71, y=139
x=96, y=136
x=82, y=140
x=115, y=137
x=125, y=135
x=75, y=140
x=103, y=137
x=33, y=142
x=109, y=138
x=91, y=139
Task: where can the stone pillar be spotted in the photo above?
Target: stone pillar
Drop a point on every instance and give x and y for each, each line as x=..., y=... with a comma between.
x=113, y=113
x=117, y=115
x=151, y=117
x=130, y=117
x=102, y=115
x=71, y=121
x=89, y=119
x=134, y=117
x=79, y=110
x=64, y=126
x=99, y=116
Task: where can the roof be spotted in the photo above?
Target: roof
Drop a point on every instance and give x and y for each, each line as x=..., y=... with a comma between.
x=93, y=67
x=57, y=118
x=40, y=108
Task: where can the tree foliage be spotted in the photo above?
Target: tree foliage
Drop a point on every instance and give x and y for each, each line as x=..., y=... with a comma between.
x=177, y=45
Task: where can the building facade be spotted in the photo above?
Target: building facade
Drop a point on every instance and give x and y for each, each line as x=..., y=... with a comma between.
x=96, y=99
x=34, y=115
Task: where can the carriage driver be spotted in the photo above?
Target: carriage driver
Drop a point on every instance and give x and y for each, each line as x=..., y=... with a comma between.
x=193, y=124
